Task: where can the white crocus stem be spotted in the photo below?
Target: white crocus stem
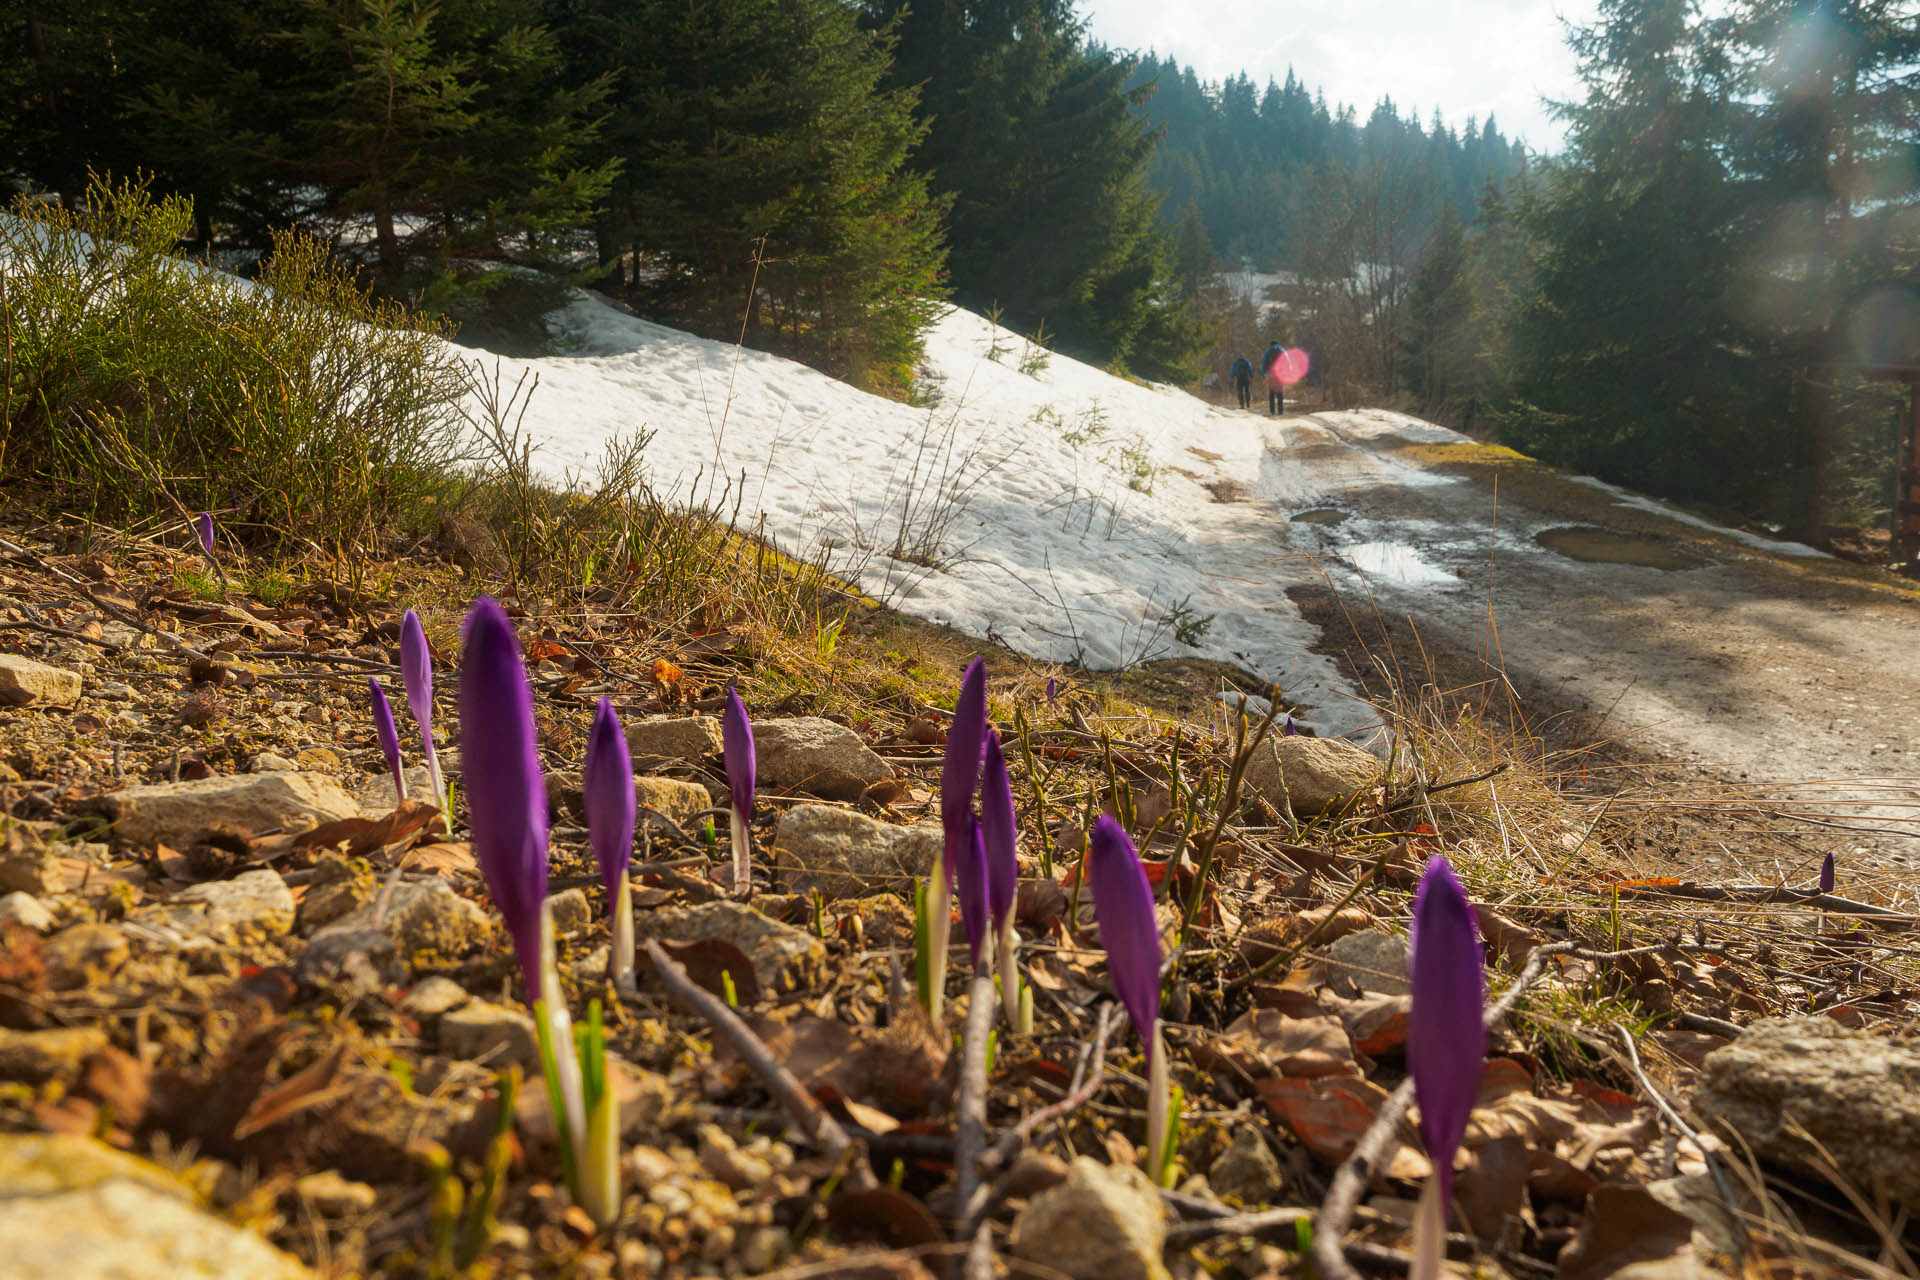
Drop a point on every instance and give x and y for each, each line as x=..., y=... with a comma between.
x=600, y=1161
x=566, y=1057
x=1007, y=951
x=742, y=834
x=622, y=963
x=1156, y=1101
x=399, y=783
x=939, y=929
x=433, y=772
x=1429, y=1233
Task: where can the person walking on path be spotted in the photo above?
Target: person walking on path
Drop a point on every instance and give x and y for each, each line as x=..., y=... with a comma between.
x=1242, y=375
x=1276, y=395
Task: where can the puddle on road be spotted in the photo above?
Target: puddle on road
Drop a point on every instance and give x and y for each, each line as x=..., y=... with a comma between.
x=1320, y=515
x=1396, y=562
x=1605, y=546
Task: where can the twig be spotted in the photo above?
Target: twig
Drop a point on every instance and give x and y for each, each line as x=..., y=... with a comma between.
x=970, y=1128
x=807, y=1115
x=1451, y=783
x=1713, y=1165
x=133, y=620
x=1014, y=1139
x=1828, y=902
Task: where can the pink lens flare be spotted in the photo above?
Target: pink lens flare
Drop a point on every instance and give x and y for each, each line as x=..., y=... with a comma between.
x=1289, y=367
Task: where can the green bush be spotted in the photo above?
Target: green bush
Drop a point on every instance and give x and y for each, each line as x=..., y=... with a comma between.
x=139, y=383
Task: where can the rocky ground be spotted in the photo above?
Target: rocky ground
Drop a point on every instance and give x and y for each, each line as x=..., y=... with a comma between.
x=258, y=1019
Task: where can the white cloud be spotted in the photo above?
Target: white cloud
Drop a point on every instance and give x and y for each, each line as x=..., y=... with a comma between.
x=1465, y=57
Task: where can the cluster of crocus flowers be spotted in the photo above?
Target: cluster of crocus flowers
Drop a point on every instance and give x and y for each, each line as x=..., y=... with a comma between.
x=389, y=736
x=1446, y=1042
x=507, y=808
x=607, y=788
x=1130, y=932
x=736, y=743
x=416, y=674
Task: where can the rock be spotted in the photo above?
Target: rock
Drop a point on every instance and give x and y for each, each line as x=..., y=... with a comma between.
x=36, y=1056
x=479, y=1031
x=1371, y=960
x=268, y=762
x=84, y=955
x=571, y=912
x=1102, y=1223
x=433, y=997
x=251, y=907
x=849, y=855
x=1311, y=775
x=816, y=756
x=1247, y=1170
x=331, y=1194
x=25, y=683
x=180, y=813
x=28, y=863
x=672, y=798
x=24, y=910
x=672, y=739
x=352, y=960
x=724, y=1162
x=783, y=957
x=74, y=1209
x=338, y=888
x=1855, y=1095
x=319, y=759
x=424, y=915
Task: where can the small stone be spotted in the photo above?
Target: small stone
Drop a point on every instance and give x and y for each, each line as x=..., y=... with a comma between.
x=1371, y=960
x=181, y=813
x=338, y=888
x=28, y=863
x=433, y=997
x=480, y=1031
x=876, y=922
x=816, y=756
x=672, y=798
x=334, y=1195
x=268, y=762
x=352, y=960
x=724, y=1162
x=845, y=854
x=251, y=907
x=1311, y=775
x=84, y=955
x=783, y=957
x=672, y=739
x=25, y=911
x=1247, y=1170
x=37, y=1056
x=425, y=915
x=1102, y=1223
x=24, y=682
x=571, y=914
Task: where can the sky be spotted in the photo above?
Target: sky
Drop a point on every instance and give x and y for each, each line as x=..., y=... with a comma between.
x=1465, y=57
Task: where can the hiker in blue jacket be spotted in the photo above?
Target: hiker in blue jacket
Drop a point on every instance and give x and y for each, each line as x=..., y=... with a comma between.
x=1276, y=396
x=1242, y=375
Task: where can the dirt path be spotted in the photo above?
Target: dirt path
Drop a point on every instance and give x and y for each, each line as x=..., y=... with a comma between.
x=1702, y=646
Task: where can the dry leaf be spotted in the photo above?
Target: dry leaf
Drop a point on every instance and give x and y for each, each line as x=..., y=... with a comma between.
x=1329, y=1115
x=302, y=1091
x=1624, y=1225
x=885, y=1215
x=1267, y=1042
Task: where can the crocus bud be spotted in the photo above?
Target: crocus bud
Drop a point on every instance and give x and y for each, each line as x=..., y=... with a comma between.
x=1826, y=875
x=1446, y=1043
x=960, y=770
x=970, y=885
x=1123, y=905
x=389, y=736
x=998, y=830
x=607, y=791
x=736, y=740
x=203, y=527
x=416, y=676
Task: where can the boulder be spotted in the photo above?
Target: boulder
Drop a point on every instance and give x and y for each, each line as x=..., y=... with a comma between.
x=849, y=855
x=1102, y=1223
x=783, y=957
x=180, y=813
x=1791, y=1086
x=660, y=740
x=816, y=756
x=26, y=683
x=74, y=1209
x=251, y=907
x=1372, y=960
x=672, y=798
x=1309, y=776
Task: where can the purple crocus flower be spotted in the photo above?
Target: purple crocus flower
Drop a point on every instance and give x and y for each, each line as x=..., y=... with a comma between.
x=1446, y=1043
x=607, y=787
x=506, y=793
x=736, y=739
x=1291, y=730
x=970, y=877
x=1053, y=690
x=1826, y=874
x=416, y=675
x=1000, y=833
x=203, y=526
x=1123, y=905
x=960, y=771
x=389, y=738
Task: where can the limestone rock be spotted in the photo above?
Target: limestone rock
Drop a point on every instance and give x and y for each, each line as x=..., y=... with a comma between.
x=36, y=1056
x=479, y=1031
x=268, y=762
x=849, y=855
x=338, y=888
x=1246, y=1171
x=73, y=1209
x=783, y=957
x=28, y=863
x=180, y=813
x=84, y=955
x=1102, y=1223
x=24, y=682
x=672, y=798
x=571, y=912
x=252, y=906
x=1855, y=1094
x=433, y=997
x=423, y=915
x=25, y=911
x=816, y=756
x=672, y=739
x=1371, y=960
x=1311, y=775
x=353, y=960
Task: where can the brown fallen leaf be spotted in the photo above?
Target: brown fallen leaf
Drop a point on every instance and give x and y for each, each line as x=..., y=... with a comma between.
x=1267, y=1042
x=1624, y=1225
x=1376, y=1023
x=885, y=1215
x=120, y=1082
x=305, y=1089
x=1330, y=1114
x=711, y=962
